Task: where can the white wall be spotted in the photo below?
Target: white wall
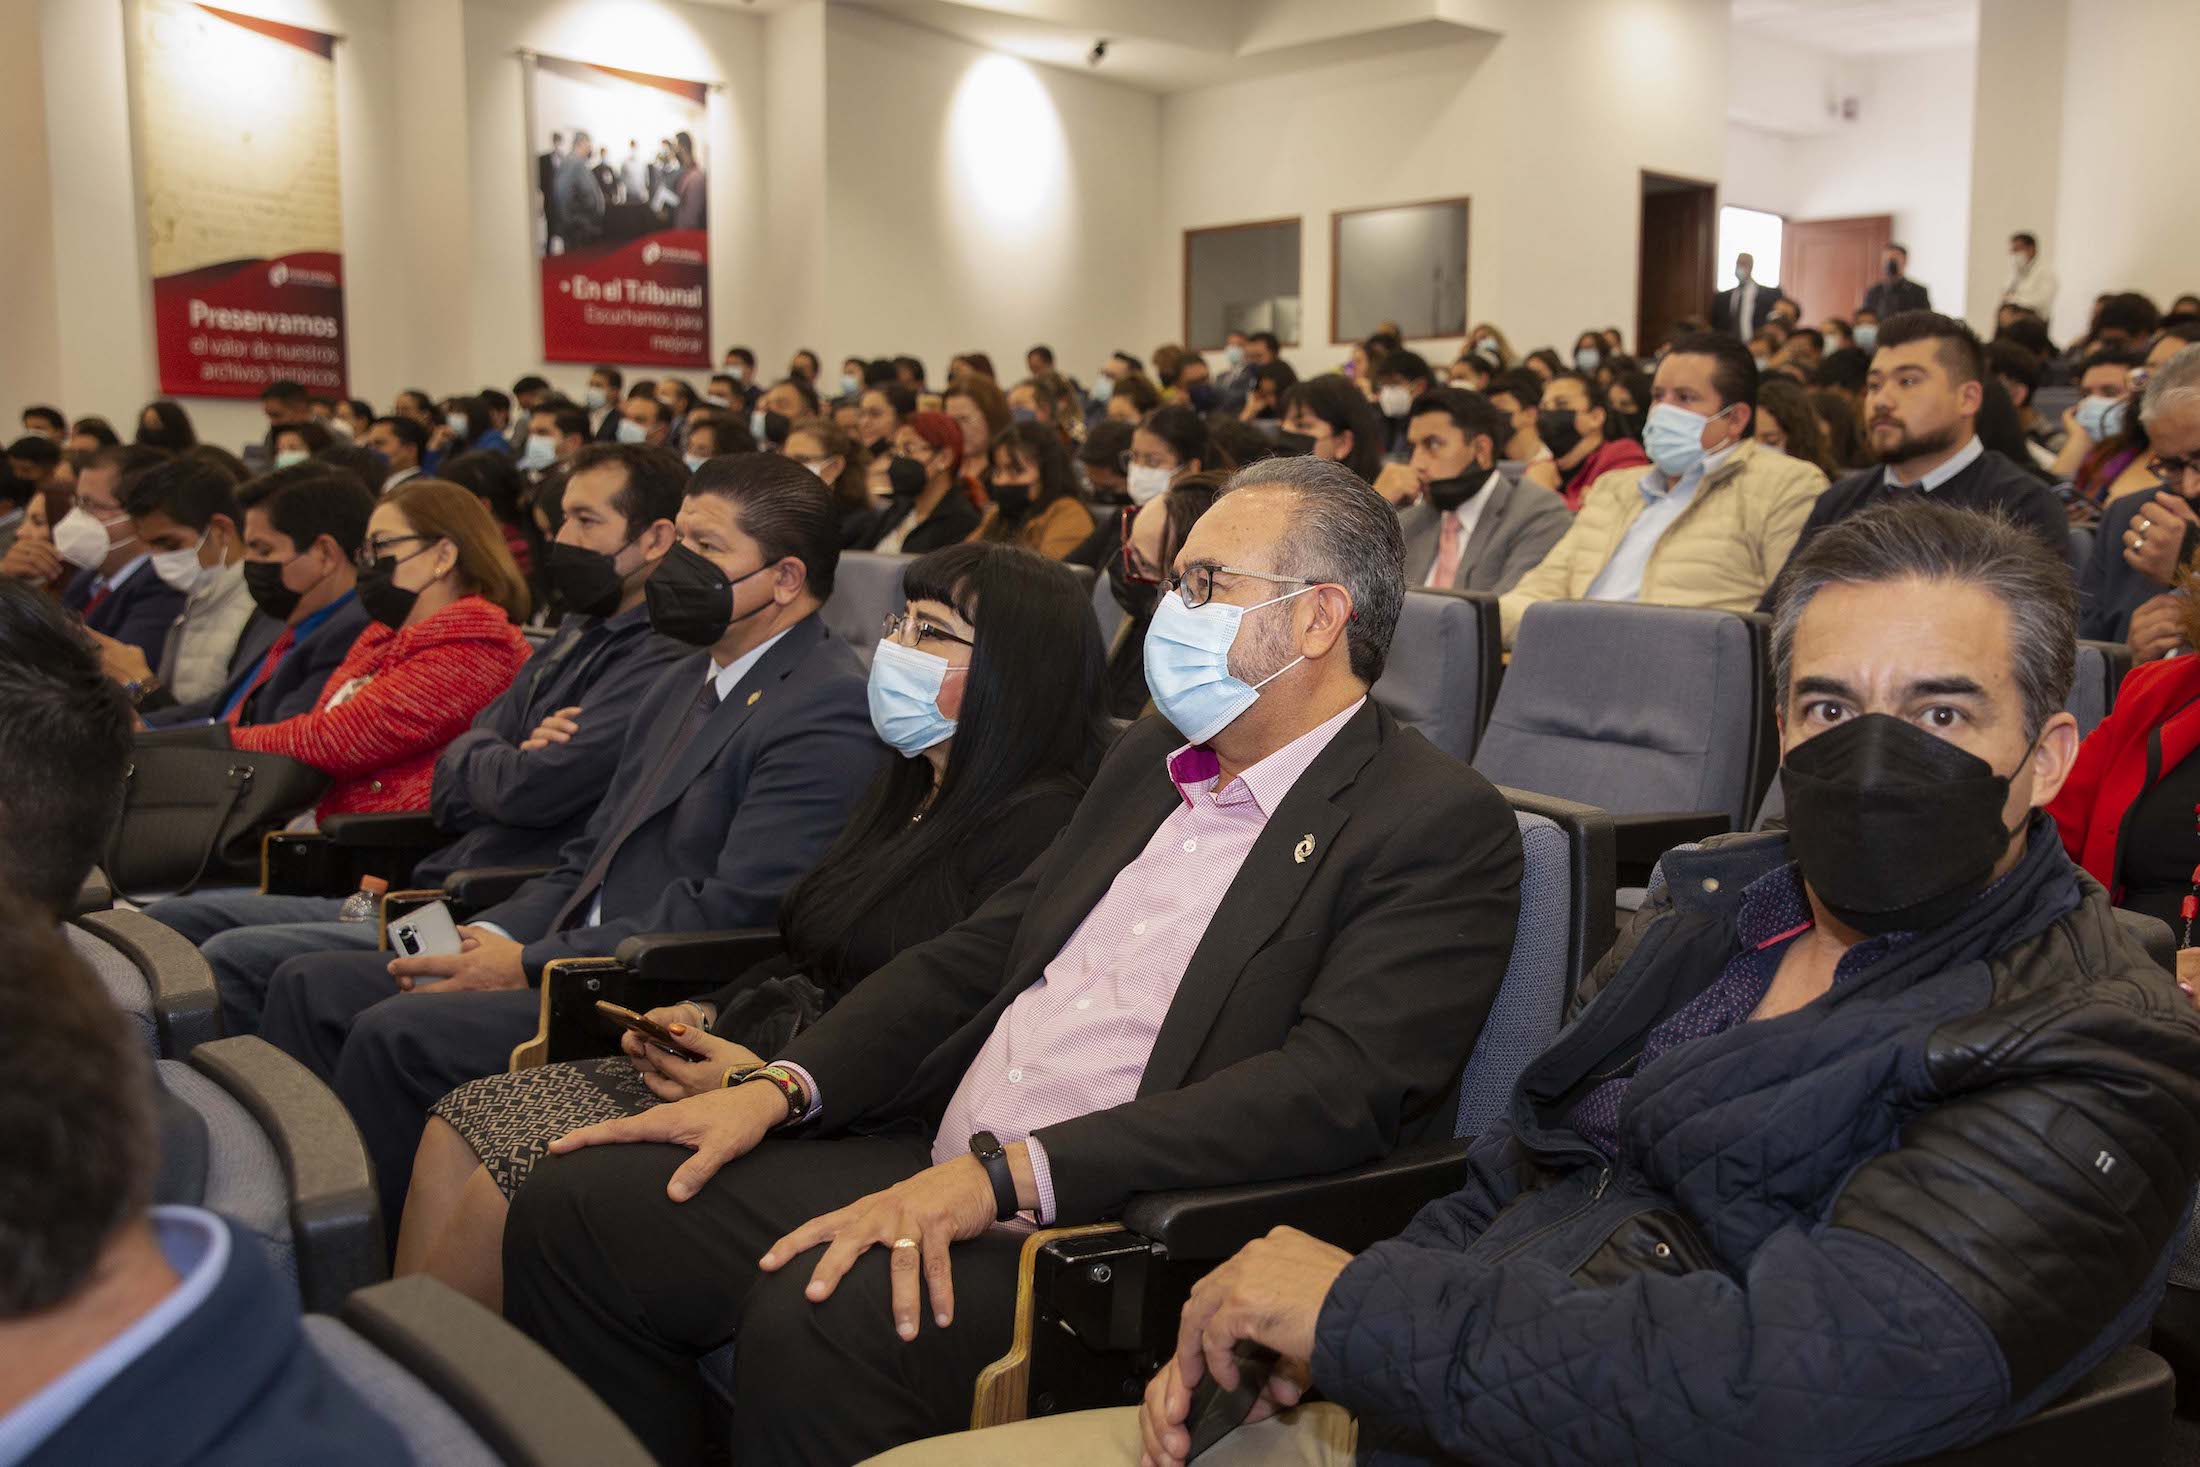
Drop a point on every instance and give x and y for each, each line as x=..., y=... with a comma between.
x=2016, y=168
x=1760, y=173
x=33, y=339
x=978, y=203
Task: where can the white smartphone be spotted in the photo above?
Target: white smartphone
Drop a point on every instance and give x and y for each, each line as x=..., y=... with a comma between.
x=428, y=932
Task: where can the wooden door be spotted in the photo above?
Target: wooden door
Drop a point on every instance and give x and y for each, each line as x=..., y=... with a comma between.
x=1680, y=229
x=1828, y=264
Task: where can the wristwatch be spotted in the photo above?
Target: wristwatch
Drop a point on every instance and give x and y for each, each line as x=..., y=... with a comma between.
x=780, y=1078
x=993, y=1156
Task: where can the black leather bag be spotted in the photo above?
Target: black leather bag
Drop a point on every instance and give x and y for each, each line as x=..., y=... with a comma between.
x=196, y=808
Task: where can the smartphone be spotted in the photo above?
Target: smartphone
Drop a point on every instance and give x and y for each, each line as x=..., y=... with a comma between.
x=426, y=932
x=650, y=1030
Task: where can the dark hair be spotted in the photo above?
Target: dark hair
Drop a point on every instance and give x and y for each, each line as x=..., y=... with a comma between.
x=782, y=506
x=914, y=364
x=306, y=501
x=2000, y=429
x=495, y=480
x=898, y=397
x=612, y=375
x=1618, y=424
x=747, y=357
x=811, y=357
x=1106, y=444
x=76, y=1106
x=1405, y=364
x=1547, y=357
x=187, y=490
x=879, y=372
x=1332, y=398
x=1128, y=360
x=496, y=400
x=851, y=491
x=36, y=450
x=1902, y=250
x=1789, y=405
x=529, y=383
x=175, y=431
x=2020, y=364
x=355, y=461
x=1847, y=368
x=1733, y=370
x=2109, y=356
x=1923, y=540
x=1042, y=352
x=282, y=389
x=408, y=432
x=802, y=389
x=1032, y=721
x=1237, y=442
x=1040, y=446
x=419, y=395
x=1267, y=339
x=1133, y=388
x=2129, y=312
x=1344, y=534
x=729, y=433
x=1475, y=415
x=1185, y=431
x=2026, y=238
x=566, y=419
x=1517, y=383
x=978, y=361
x=656, y=481
x=1845, y=443
x=443, y=509
x=1279, y=377
x=312, y=434
x=99, y=430
x=219, y=459
x=65, y=743
x=683, y=389
x=46, y=415
x=1960, y=354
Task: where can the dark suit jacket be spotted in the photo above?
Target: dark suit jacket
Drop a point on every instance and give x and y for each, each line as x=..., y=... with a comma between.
x=510, y=808
x=295, y=685
x=2109, y=590
x=139, y=611
x=1892, y=297
x=234, y=1384
x=750, y=805
x=1324, y=1017
x=949, y=523
x=1727, y=302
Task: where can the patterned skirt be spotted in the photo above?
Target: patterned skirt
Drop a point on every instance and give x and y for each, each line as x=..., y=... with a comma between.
x=510, y=1120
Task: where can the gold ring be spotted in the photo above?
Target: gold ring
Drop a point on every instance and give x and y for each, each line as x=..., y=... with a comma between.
x=905, y=1242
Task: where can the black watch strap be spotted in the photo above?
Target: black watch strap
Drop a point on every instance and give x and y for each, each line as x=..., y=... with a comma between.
x=994, y=1158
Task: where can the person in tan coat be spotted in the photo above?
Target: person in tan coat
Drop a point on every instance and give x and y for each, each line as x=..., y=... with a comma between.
x=1709, y=522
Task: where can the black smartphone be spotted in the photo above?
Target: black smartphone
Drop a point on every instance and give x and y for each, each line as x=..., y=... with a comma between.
x=1215, y=1412
x=650, y=1030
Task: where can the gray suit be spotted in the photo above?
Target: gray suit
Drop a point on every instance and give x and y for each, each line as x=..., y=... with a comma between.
x=1518, y=527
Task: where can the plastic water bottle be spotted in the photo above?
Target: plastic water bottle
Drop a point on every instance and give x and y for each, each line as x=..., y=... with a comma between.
x=364, y=904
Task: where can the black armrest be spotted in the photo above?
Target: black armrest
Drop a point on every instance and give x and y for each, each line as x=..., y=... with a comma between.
x=1349, y=1209
x=482, y=887
x=404, y=829
x=1641, y=839
x=701, y=960
x=2119, y=1412
x=187, y=1009
x=96, y=894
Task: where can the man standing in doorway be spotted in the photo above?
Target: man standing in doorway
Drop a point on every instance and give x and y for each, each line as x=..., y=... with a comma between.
x=1897, y=292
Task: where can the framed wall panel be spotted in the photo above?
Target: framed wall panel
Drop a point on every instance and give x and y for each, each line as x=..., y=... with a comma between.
x=1241, y=277
x=1399, y=262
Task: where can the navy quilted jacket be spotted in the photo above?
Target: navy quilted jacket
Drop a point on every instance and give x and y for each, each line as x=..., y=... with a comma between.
x=1891, y=1222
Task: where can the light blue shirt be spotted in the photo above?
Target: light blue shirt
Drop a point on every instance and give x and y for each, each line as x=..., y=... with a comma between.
x=1621, y=578
x=196, y=1245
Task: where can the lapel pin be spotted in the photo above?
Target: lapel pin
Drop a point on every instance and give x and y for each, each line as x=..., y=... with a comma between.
x=1303, y=849
x=754, y=696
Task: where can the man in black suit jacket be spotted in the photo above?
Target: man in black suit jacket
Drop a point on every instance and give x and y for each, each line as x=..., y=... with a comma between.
x=1265, y=955
x=739, y=768
x=1748, y=305
x=1920, y=408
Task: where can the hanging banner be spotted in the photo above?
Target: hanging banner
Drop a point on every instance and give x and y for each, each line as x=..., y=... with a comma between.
x=620, y=193
x=236, y=124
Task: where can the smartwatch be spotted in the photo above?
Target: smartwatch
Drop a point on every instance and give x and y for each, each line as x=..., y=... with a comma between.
x=994, y=1158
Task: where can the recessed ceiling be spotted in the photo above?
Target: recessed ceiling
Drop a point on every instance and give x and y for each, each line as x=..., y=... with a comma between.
x=1862, y=27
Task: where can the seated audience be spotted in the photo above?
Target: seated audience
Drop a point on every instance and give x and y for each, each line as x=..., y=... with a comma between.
x=46, y=422
x=1840, y=419
x=980, y=409
x=2097, y=458
x=302, y=532
x=34, y=460
x=927, y=507
x=1330, y=418
x=1264, y=400
x=133, y=1333
x=987, y=686
x=1787, y=423
x=1033, y=493
x=445, y=600
x=402, y=443
x=1133, y=399
x=1571, y=422
x=1167, y=446
x=185, y=514
x=31, y=557
x=556, y=431
x=739, y=767
x=1149, y=539
x=294, y=443
x=1817, y=1172
x=496, y=481
x=1489, y=343
x=879, y=412
x=1099, y=467
x=116, y=590
x=1155, y=1062
x=1708, y=523
x=1518, y=394
x=1399, y=383
x=1927, y=382
x=65, y=743
x=164, y=424
x=2021, y=372
x=822, y=447
x=526, y=776
x=1471, y=528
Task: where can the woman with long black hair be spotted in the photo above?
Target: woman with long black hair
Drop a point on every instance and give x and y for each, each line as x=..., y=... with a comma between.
x=988, y=687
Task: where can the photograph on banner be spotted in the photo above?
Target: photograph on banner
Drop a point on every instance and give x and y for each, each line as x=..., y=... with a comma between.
x=243, y=227
x=621, y=192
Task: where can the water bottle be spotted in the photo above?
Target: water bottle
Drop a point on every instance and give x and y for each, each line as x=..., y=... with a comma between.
x=365, y=904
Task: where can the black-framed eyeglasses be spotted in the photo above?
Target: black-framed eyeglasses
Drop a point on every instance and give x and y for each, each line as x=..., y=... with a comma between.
x=1196, y=586
x=911, y=630
x=374, y=550
x=2173, y=470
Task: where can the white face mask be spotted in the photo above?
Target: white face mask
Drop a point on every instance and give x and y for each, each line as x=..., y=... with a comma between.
x=457, y=423
x=180, y=568
x=80, y=539
x=596, y=399
x=1147, y=483
x=630, y=431
x=291, y=456
x=1395, y=399
x=541, y=451
x=694, y=461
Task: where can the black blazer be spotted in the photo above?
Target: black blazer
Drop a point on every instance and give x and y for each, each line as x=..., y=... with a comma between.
x=2109, y=590
x=234, y=1384
x=749, y=806
x=949, y=523
x=1324, y=1016
x=510, y=808
x=1727, y=302
x=139, y=611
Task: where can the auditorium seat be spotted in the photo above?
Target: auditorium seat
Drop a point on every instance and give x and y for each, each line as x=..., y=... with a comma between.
x=97, y=894
x=2081, y=546
x=647, y=971
x=154, y=974
x=2100, y=672
x=283, y=1158
x=1101, y=1308
x=1444, y=666
x=462, y=1387
x=1661, y=715
x=1104, y=608
x=2052, y=402
x=866, y=590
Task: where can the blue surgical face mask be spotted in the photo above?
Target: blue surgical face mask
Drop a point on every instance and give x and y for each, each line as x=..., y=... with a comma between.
x=757, y=426
x=1867, y=335
x=1587, y=359
x=289, y=456
x=850, y=384
x=1234, y=355
x=2102, y=418
x=457, y=423
x=541, y=451
x=1188, y=664
x=905, y=698
x=1673, y=437
x=1103, y=389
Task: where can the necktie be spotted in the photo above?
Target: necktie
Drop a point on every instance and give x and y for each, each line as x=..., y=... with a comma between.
x=645, y=795
x=96, y=598
x=268, y=664
x=1447, y=552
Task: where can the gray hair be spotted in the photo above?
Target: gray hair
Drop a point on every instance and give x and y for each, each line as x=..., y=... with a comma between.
x=1342, y=533
x=1924, y=541
x=2171, y=385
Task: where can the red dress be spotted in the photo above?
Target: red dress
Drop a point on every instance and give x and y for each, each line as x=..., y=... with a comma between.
x=396, y=700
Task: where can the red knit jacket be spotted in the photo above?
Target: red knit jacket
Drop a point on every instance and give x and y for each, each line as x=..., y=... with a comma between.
x=1612, y=453
x=2156, y=720
x=416, y=690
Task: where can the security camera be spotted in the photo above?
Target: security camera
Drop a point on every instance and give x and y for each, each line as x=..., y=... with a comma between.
x=1098, y=53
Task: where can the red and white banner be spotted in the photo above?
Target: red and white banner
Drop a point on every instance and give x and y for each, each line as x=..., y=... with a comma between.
x=237, y=162
x=621, y=214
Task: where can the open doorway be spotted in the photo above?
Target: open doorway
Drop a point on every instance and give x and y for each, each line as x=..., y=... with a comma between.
x=1828, y=264
x=1680, y=230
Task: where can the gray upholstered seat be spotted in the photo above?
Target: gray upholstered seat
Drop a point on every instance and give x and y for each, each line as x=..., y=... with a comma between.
x=1441, y=677
x=244, y=1176
x=1635, y=709
x=1104, y=609
x=425, y=1422
x=2099, y=673
x=128, y=987
x=866, y=589
x=167, y=981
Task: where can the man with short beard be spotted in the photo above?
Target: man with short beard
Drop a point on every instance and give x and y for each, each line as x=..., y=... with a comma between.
x=1920, y=404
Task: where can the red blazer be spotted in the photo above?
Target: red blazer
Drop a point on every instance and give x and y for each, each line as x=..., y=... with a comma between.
x=1612, y=453
x=2111, y=771
x=417, y=689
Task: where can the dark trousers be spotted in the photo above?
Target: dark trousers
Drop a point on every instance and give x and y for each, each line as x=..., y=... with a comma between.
x=631, y=1289
x=388, y=1055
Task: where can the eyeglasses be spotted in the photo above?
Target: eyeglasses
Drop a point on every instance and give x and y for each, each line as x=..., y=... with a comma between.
x=2173, y=470
x=374, y=550
x=1196, y=587
x=911, y=630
